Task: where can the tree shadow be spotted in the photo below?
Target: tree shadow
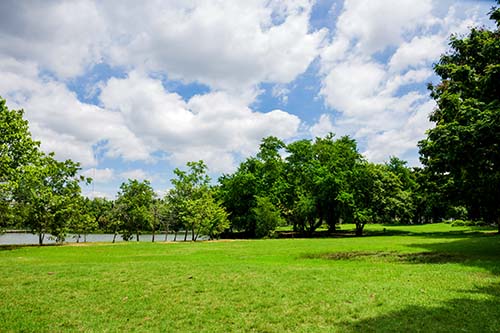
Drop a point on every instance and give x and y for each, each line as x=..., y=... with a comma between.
x=474, y=232
x=475, y=250
x=11, y=247
x=477, y=311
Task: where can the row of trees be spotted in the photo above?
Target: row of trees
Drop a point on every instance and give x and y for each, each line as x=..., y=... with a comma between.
x=42, y=194
x=325, y=182
x=305, y=184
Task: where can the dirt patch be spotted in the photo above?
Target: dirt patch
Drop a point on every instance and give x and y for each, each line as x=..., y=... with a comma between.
x=390, y=256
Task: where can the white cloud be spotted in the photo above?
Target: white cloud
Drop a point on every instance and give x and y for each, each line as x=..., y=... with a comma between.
x=322, y=127
x=137, y=174
x=61, y=36
x=211, y=127
x=227, y=45
x=61, y=122
x=100, y=175
x=375, y=98
x=417, y=52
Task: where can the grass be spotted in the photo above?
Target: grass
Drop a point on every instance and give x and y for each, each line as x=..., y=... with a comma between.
x=431, y=278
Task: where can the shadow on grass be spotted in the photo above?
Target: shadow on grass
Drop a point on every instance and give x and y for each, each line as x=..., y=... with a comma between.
x=477, y=311
x=436, y=234
x=388, y=230
x=12, y=247
x=475, y=250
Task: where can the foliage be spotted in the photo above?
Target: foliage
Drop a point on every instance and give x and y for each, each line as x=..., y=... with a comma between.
x=267, y=217
x=45, y=195
x=205, y=216
x=133, y=206
x=462, y=150
x=17, y=150
x=80, y=218
x=191, y=203
x=263, y=175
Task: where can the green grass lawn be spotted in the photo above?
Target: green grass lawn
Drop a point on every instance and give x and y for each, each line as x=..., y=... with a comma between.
x=431, y=278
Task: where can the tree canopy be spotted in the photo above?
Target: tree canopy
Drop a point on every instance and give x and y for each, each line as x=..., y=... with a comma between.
x=462, y=151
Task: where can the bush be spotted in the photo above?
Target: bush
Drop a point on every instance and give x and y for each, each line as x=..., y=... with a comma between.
x=267, y=217
x=466, y=223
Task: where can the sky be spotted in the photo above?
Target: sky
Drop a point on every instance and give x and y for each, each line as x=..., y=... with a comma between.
x=134, y=89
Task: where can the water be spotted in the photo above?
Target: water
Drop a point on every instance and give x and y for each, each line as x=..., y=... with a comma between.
x=21, y=238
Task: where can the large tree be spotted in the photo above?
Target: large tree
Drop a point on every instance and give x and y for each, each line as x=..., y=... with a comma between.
x=260, y=176
x=17, y=150
x=463, y=149
x=46, y=193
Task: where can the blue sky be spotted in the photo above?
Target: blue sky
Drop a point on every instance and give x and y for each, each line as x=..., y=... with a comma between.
x=134, y=90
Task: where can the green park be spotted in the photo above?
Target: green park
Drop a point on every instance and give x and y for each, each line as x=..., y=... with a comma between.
x=306, y=235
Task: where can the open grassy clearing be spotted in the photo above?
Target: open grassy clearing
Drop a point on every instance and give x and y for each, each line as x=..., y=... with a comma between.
x=431, y=278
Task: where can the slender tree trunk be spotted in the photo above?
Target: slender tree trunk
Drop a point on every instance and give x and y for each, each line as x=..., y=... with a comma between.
x=137, y=234
x=192, y=235
x=154, y=227
x=78, y=238
x=175, y=235
x=186, y=234
x=40, y=238
x=114, y=237
x=166, y=232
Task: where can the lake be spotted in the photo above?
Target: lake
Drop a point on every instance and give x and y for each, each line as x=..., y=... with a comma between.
x=20, y=238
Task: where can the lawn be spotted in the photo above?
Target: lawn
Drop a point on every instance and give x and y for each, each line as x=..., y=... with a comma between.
x=431, y=278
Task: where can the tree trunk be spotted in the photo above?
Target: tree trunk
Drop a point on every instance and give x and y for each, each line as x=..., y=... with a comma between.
x=166, y=232
x=154, y=227
x=186, y=234
x=359, y=229
x=40, y=238
x=175, y=235
x=78, y=238
x=114, y=237
x=192, y=235
x=137, y=234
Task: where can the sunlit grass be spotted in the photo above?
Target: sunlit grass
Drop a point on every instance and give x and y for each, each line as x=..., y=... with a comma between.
x=406, y=278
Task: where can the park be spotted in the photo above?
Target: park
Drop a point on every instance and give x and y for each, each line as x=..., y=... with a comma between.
x=298, y=228
x=432, y=278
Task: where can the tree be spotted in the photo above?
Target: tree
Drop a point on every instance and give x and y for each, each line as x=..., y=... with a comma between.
x=17, y=150
x=46, y=193
x=80, y=218
x=262, y=175
x=134, y=207
x=192, y=202
x=464, y=146
x=205, y=216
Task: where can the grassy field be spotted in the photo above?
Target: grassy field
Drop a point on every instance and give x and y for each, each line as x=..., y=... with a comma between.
x=431, y=278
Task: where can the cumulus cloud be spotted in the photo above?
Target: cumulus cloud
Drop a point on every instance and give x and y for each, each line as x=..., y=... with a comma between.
x=100, y=175
x=383, y=102
x=61, y=36
x=137, y=174
x=226, y=45
x=61, y=122
x=211, y=126
x=231, y=47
